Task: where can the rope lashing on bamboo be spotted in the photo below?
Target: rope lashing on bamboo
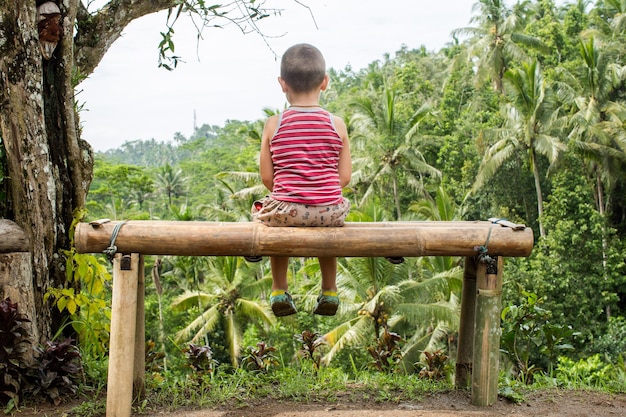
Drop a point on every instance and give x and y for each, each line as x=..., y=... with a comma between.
x=112, y=249
x=483, y=250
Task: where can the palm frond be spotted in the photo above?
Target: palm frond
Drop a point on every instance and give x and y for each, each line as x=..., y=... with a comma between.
x=493, y=159
x=256, y=310
x=355, y=332
x=191, y=299
x=202, y=325
x=234, y=336
x=424, y=340
x=429, y=313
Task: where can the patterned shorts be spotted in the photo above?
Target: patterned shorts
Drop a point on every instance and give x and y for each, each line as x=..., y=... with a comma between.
x=278, y=213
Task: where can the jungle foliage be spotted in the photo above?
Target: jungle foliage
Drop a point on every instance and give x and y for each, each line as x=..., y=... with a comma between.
x=521, y=116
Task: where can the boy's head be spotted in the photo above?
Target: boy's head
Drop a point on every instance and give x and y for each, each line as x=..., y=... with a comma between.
x=303, y=68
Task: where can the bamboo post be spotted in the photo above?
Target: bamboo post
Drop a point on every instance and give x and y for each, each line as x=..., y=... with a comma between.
x=139, y=369
x=122, y=342
x=485, y=370
x=466, y=326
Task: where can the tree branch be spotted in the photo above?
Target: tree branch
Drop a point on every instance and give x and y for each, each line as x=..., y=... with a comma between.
x=96, y=33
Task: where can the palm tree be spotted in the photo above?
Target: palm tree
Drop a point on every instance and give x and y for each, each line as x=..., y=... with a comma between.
x=597, y=124
x=497, y=40
x=614, y=11
x=389, y=148
x=170, y=182
x=230, y=298
x=529, y=120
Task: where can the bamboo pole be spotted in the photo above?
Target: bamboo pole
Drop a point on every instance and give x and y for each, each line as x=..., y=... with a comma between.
x=139, y=364
x=485, y=370
x=122, y=342
x=465, y=350
x=388, y=239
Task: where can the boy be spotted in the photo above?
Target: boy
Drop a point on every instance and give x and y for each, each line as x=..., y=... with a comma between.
x=305, y=163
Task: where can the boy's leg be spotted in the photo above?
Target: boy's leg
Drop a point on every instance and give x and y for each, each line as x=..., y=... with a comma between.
x=328, y=266
x=328, y=302
x=279, y=265
x=280, y=300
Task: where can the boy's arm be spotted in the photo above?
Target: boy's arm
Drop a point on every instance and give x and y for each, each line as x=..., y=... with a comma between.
x=345, y=160
x=265, y=163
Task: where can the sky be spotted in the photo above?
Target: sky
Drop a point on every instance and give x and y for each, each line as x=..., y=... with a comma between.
x=229, y=75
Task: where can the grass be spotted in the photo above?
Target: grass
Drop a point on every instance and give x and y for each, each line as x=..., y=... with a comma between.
x=304, y=384
x=241, y=388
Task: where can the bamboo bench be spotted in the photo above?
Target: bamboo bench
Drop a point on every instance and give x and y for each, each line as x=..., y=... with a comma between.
x=483, y=244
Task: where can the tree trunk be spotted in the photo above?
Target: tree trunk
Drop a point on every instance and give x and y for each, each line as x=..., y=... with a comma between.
x=48, y=166
x=32, y=192
x=533, y=161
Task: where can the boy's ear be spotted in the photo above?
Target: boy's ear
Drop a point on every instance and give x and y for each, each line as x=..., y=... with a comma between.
x=283, y=84
x=324, y=85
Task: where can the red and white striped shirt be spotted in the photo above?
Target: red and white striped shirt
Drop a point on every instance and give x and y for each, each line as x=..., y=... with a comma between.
x=305, y=153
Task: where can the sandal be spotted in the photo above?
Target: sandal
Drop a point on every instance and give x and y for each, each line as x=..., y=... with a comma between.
x=327, y=303
x=282, y=303
x=255, y=258
x=396, y=260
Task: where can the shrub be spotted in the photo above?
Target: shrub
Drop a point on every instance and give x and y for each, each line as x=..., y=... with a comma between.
x=387, y=352
x=59, y=370
x=201, y=359
x=13, y=347
x=259, y=359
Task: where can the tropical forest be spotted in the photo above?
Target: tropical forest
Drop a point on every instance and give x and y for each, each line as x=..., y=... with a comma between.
x=521, y=116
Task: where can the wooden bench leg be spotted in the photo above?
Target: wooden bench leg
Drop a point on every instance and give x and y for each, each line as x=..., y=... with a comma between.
x=486, y=367
x=465, y=350
x=123, y=329
x=139, y=369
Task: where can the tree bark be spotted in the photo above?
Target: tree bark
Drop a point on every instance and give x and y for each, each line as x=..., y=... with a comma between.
x=49, y=167
x=32, y=194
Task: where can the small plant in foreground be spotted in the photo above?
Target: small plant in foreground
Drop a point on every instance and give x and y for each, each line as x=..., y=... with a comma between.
x=590, y=372
x=154, y=358
x=259, y=359
x=201, y=359
x=60, y=370
x=433, y=366
x=311, y=347
x=529, y=336
x=387, y=352
x=13, y=346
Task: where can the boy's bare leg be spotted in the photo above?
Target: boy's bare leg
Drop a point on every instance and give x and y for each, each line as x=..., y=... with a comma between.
x=328, y=266
x=279, y=265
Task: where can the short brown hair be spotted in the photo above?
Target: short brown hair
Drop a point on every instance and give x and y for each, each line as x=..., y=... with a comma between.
x=303, y=67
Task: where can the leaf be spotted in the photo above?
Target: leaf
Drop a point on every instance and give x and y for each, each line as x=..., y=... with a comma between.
x=61, y=303
x=83, y=269
x=71, y=306
x=67, y=292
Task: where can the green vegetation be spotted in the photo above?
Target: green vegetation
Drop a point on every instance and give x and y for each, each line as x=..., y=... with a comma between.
x=523, y=119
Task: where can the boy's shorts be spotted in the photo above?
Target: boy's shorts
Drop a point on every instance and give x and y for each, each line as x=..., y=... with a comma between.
x=278, y=213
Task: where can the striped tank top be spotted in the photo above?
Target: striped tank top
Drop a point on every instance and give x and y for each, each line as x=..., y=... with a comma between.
x=305, y=153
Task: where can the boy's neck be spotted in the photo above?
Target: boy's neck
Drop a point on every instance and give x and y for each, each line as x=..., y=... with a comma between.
x=311, y=99
x=304, y=105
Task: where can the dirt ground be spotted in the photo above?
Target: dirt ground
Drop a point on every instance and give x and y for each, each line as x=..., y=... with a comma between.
x=551, y=403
